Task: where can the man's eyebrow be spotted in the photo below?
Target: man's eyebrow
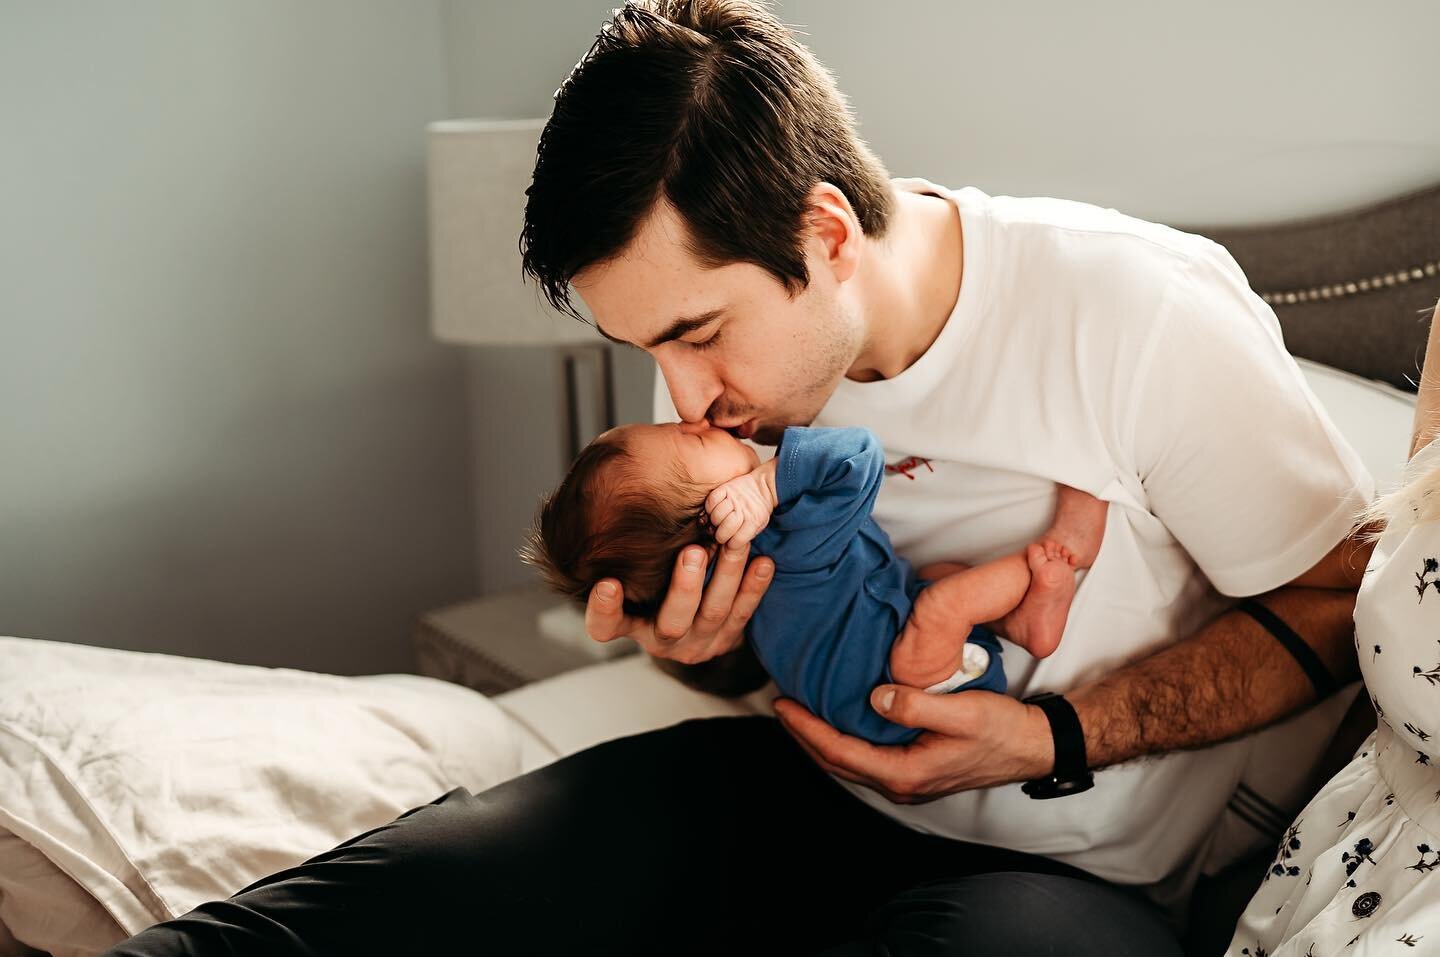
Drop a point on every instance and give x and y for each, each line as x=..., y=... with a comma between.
x=674, y=331
x=679, y=327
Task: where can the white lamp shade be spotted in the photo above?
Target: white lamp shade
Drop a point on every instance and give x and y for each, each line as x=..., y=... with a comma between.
x=478, y=173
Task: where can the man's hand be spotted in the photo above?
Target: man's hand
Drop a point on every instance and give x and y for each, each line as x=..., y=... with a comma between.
x=690, y=628
x=973, y=739
x=740, y=508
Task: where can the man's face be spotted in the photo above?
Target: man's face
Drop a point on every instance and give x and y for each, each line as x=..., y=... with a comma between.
x=753, y=360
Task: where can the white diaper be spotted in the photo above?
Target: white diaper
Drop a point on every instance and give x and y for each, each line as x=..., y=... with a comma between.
x=974, y=661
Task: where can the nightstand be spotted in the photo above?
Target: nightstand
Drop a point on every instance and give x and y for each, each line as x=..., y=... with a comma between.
x=495, y=643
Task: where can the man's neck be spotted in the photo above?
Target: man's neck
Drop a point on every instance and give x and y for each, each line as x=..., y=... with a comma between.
x=912, y=283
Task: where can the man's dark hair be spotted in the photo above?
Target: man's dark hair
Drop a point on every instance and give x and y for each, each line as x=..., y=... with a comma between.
x=713, y=106
x=609, y=518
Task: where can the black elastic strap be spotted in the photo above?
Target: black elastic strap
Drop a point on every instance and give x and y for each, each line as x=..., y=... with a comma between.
x=1303, y=654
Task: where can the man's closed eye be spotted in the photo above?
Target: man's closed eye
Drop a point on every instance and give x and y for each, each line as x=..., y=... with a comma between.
x=706, y=343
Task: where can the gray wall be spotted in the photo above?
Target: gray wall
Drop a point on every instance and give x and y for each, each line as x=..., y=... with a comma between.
x=224, y=429
x=1225, y=112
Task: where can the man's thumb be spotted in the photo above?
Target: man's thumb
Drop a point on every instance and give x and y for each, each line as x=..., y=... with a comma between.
x=603, y=612
x=914, y=708
x=883, y=699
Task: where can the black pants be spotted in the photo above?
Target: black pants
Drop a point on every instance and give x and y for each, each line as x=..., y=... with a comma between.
x=715, y=836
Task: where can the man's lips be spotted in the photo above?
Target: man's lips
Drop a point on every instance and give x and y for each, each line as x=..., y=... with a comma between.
x=742, y=430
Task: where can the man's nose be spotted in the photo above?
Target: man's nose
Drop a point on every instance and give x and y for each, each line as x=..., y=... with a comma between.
x=692, y=389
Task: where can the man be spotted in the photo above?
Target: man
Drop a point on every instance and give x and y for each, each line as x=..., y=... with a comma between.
x=701, y=187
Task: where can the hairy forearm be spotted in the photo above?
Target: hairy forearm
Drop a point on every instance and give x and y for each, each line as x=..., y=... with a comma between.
x=1229, y=678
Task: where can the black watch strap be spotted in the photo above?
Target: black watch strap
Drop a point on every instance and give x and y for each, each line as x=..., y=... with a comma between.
x=1072, y=770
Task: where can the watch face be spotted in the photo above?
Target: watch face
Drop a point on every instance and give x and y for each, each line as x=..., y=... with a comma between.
x=1043, y=789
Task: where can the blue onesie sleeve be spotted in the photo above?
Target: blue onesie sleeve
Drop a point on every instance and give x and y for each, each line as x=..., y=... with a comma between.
x=826, y=481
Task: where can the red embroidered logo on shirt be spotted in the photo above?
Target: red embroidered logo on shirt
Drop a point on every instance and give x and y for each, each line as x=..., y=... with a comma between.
x=906, y=466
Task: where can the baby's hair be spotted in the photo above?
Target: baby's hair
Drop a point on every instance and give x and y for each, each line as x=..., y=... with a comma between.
x=609, y=518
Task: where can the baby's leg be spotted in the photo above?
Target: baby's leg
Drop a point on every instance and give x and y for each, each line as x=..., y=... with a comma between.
x=1073, y=541
x=938, y=570
x=931, y=647
x=1078, y=529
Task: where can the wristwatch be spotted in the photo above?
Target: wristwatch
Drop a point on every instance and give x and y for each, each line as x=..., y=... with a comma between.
x=1072, y=772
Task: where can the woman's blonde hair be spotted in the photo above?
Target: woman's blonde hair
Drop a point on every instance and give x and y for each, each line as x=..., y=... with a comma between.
x=1416, y=496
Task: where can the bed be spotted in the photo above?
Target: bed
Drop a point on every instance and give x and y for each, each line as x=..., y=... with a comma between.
x=134, y=786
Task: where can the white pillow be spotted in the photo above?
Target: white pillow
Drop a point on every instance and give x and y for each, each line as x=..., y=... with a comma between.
x=155, y=783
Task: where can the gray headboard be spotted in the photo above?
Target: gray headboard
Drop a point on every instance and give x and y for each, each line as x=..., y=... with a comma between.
x=1352, y=290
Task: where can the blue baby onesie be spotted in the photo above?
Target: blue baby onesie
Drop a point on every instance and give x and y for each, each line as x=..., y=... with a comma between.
x=840, y=596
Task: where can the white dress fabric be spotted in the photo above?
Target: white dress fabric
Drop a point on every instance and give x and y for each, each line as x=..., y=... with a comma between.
x=1355, y=873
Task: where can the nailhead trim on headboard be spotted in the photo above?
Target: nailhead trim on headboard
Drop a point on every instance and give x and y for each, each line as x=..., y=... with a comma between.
x=1341, y=289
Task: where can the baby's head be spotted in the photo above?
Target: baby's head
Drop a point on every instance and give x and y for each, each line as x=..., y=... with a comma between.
x=631, y=501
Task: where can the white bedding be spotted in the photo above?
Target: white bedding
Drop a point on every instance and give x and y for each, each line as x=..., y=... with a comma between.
x=154, y=783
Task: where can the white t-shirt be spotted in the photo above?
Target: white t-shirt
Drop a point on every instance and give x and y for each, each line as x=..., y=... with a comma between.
x=1132, y=361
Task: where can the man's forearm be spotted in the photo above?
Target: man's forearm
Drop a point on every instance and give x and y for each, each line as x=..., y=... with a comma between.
x=1230, y=678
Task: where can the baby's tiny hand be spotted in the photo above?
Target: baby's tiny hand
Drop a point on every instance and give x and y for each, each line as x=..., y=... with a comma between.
x=740, y=509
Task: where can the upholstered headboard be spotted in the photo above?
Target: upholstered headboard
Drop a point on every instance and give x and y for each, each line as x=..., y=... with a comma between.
x=1352, y=290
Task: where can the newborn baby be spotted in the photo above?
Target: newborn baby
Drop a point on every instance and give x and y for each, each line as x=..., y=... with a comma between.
x=844, y=613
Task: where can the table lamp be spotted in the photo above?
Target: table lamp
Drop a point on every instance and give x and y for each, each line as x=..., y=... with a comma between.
x=478, y=173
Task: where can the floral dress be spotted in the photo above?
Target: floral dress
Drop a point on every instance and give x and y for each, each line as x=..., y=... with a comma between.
x=1355, y=874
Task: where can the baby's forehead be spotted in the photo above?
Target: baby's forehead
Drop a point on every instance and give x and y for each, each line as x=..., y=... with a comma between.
x=646, y=443
x=649, y=457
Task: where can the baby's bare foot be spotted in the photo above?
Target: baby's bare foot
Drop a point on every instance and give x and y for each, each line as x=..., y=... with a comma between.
x=1057, y=552
x=1037, y=624
x=1080, y=525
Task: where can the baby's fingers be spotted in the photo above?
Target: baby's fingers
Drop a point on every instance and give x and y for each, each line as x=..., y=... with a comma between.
x=717, y=495
x=727, y=528
x=721, y=512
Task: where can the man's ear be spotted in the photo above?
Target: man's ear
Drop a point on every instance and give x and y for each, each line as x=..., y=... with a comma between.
x=831, y=221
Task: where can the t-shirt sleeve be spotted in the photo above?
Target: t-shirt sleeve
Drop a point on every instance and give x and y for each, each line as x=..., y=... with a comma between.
x=826, y=481
x=1237, y=457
